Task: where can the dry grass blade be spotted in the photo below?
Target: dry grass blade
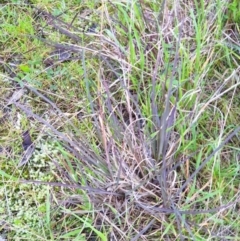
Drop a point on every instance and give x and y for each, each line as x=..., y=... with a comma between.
x=27, y=155
x=17, y=95
x=70, y=186
x=145, y=229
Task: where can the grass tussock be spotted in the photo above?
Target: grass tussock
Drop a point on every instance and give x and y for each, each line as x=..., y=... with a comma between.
x=120, y=120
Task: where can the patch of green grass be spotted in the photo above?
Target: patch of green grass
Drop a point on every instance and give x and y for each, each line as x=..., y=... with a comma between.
x=234, y=8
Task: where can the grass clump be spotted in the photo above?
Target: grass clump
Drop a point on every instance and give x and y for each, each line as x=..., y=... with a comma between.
x=132, y=108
